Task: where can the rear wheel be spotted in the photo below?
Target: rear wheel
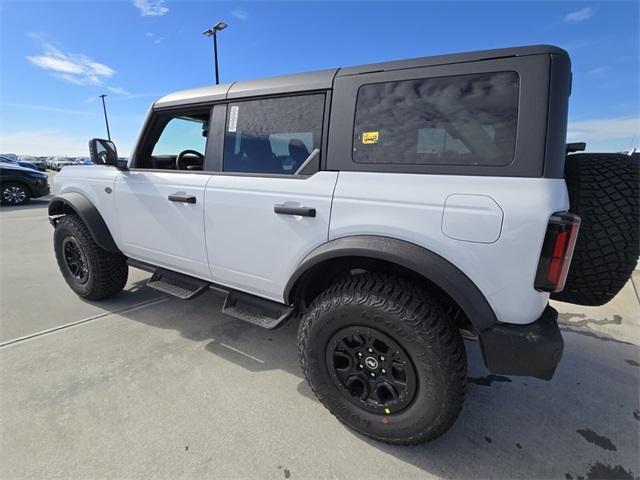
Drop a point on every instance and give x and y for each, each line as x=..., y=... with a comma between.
x=90, y=271
x=603, y=190
x=380, y=354
x=14, y=193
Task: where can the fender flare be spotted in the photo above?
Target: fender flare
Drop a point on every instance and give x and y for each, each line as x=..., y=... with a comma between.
x=88, y=213
x=424, y=262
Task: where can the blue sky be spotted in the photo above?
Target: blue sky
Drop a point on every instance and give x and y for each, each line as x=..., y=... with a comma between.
x=57, y=57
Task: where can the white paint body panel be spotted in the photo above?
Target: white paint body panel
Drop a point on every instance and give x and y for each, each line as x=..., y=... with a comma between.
x=492, y=228
x=253, y=249
x=411, y=207
x=155, y=230
x=472, y=218
x=91, y=181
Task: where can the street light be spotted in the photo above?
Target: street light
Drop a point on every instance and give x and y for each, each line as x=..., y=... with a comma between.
x=104, y=109
x=212, y=32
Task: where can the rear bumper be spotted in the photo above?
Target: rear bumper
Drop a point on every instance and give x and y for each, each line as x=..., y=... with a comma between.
x=532, y=350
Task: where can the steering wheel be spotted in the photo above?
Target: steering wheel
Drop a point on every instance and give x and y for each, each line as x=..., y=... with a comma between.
x=182, y=160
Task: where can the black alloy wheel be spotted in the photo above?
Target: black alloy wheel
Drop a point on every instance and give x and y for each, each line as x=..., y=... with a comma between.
x=371, y=369
x=75, y=260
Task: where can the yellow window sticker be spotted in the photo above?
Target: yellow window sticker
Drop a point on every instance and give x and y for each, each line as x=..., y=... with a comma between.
x=369, y=138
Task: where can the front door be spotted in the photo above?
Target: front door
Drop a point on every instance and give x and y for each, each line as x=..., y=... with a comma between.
x=160, y=200
x=261, y=218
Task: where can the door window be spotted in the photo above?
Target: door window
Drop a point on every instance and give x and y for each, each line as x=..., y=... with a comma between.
x=177, y=141
x=182, y=133
x=273, y=135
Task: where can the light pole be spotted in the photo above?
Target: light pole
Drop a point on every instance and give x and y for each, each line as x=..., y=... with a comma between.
x=212, y=32
x=106, y=121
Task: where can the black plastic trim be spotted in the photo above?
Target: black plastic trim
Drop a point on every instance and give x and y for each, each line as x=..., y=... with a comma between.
x=559, y=91
x=532, y=350
x=89, y=215
x=429, y=265
x=282, y=209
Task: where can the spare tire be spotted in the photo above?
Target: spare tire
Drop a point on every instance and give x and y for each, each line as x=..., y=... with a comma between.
x=603, y=191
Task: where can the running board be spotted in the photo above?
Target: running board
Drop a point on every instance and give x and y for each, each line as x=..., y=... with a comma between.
x=176, y=284
x=259, y=311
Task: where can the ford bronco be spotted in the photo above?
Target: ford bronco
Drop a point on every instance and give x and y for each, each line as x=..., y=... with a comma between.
x=391, y=209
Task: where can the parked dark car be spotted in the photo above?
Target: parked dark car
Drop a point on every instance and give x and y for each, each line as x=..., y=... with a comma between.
x=37, y=162
x=19, y=184
x=10, y=161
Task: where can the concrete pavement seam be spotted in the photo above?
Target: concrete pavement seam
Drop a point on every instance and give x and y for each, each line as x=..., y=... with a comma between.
x=130, y=308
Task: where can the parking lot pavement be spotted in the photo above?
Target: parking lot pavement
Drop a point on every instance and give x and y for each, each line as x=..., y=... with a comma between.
x=168, y=389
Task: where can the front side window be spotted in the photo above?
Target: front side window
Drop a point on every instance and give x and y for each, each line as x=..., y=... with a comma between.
x=457, y=120
x=272, y=135
x=175, y=141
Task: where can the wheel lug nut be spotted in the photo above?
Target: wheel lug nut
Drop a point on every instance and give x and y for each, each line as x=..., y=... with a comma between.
x=359, y=354
x=382, y=359
x=383, y=371
x=373, y=374
x=370, y=350
x=360, y=366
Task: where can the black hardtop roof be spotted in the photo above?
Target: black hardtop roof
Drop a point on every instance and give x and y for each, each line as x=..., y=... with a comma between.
x=323, y=79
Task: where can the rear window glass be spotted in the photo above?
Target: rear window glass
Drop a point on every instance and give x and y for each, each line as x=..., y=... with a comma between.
x=457, y=120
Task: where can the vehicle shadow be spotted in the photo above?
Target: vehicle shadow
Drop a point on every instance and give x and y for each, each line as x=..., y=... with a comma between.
x=510, y=427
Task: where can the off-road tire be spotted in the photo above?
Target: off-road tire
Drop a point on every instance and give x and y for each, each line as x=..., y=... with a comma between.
x=414, y=319
x=603, y=191
x=107, y=271
x=14, y=185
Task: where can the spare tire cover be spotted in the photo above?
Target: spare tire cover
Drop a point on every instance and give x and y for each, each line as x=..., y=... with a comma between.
x=603, y=191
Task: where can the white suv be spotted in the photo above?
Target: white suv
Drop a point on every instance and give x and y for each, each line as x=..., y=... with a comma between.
x=387, y=207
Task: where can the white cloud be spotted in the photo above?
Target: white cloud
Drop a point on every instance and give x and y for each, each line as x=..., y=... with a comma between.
x=118, y=90
x=240, y=14
x=49, y=142
x=599, y=71
x=43, y=142
x=622, y=129
x=74, y=68
x=151, y=8
x=149, y=34
x=158, y=40
x=48, y=109
x=579, y=15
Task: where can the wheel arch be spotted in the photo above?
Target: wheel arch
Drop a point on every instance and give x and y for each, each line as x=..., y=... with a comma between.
x=78, y=204
x=400, y=256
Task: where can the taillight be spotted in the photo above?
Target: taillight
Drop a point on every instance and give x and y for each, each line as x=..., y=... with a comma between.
x=557, y=250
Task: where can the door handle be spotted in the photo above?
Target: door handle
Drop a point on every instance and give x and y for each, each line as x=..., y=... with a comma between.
x=302, y=211
x=182, y=198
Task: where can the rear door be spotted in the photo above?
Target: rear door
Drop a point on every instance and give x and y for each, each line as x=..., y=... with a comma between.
x=160, y=200
x=261, y=218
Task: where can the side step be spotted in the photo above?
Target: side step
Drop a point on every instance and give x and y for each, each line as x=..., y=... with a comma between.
x=259, y=311
x=176, y=284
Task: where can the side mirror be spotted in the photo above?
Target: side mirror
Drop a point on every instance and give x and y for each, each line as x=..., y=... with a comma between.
x=103, y=152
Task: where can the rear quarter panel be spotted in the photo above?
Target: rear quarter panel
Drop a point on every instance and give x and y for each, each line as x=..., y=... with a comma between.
x=411, y=207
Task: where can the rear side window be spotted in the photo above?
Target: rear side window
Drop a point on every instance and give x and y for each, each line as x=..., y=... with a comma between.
x=272, y=135
x=456, y=120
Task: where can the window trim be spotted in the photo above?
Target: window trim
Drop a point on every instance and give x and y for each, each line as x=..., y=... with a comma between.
x=355, y=115
x=310, y=169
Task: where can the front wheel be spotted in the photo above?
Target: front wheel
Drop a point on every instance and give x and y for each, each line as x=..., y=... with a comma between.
x=380, y=354
x=90, y=271
x=15, y=194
